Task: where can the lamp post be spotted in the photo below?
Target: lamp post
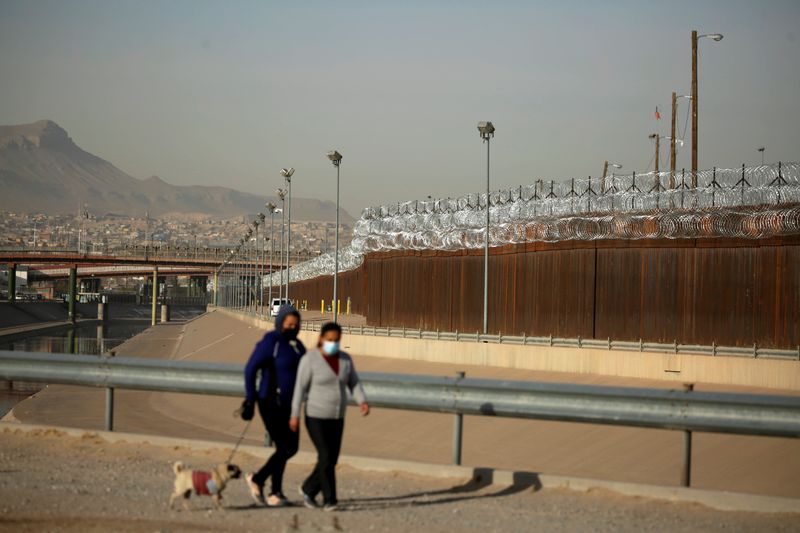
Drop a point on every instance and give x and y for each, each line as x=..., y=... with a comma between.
x=486, y=130
x=271, y=209
x=695, y=38
x=239, y=277
x=336, y=159
x=282, y=196
x=256, y=223
x=762, y=154
x=260, y=266
x=287, y=175
x=605, y=173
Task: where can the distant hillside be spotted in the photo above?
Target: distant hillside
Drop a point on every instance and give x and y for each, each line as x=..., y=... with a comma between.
x=42, y=169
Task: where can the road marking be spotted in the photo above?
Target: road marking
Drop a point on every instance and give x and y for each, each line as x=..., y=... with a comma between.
x=229, y=335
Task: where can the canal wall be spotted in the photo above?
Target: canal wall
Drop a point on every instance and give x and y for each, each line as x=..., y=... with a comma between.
x=776, y=374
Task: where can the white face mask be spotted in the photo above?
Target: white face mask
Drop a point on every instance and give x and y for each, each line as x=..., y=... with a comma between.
x=330, y=347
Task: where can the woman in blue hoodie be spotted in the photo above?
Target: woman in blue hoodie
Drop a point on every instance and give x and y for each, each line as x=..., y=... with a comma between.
x=276, y=357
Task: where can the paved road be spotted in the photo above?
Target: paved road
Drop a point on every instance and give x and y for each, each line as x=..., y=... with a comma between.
x=742, y=464
x=52, y=482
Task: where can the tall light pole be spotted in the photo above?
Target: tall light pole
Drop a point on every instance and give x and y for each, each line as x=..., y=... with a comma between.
x=256, y=223
x=260, y=265
x=282, y=196
x=695, y=38
x=336, y=159
x=486, y=130
x=287, y=176
x=762, y=154
x=271, y=209
x=605, y=173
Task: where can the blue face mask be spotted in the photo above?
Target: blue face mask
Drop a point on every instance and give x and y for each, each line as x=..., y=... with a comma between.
x=330, y=347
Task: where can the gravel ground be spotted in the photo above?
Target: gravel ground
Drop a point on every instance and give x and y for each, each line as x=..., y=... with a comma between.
x=53, y=482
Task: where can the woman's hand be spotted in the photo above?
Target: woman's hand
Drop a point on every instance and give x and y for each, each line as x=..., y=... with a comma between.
x=247, y=410
x=294, y=423
x=364, y=409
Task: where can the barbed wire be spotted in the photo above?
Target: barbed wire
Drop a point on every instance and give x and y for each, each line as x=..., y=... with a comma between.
x=754, y=202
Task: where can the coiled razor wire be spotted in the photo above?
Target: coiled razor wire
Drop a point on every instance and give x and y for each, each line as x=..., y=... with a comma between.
x=752, y=203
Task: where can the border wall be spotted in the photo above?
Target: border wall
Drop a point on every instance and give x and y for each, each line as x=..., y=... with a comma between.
x=736, y=292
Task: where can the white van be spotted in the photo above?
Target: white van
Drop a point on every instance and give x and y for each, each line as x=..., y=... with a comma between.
x=276, y=305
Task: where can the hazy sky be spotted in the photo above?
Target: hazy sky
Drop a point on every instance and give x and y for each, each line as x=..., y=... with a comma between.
x=229, y=92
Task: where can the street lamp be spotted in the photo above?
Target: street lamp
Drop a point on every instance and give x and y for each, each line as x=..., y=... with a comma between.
x=271, y=208
x=336, y=159
x=260, y=266
x=256, y=223
x=282, y=196
x=287, y=176
x=695, y=38
x=762, y=154
x=605, y=173
x=486, y=130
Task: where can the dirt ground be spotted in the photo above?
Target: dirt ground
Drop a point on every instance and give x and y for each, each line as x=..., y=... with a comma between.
x=54, y=482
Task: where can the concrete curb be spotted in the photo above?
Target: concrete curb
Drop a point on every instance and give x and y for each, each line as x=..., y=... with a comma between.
x=720, y=500
x=14, y=332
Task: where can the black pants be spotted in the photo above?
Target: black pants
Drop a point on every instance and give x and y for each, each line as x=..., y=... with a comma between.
x=276, y=420
x=326, y=434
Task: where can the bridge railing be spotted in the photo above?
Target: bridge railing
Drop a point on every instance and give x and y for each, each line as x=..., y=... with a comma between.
x=165, y=253
x=683, y=410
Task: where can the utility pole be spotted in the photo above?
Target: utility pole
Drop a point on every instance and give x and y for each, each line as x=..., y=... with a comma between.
x=672, y=143
x=695, y=38
x=603, y=179
x=694, y=109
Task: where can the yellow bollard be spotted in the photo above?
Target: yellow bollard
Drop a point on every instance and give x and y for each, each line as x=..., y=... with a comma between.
x=348, y=306
x=338, y=307
x=322, y=307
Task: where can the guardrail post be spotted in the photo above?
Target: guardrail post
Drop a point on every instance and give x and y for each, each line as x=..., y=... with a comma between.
x=686, y=472
x=458, y=427
x=110, y=402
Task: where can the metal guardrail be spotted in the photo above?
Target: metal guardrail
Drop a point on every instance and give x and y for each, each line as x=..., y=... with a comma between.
x=684, y=410
x=607, y=344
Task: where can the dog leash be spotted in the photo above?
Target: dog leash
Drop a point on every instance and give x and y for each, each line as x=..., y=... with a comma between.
x=238, y=442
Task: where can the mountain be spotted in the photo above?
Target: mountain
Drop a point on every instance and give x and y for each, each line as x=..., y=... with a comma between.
x=43, y=170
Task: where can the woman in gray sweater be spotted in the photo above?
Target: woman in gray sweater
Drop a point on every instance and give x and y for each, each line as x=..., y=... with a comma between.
x=322, y=377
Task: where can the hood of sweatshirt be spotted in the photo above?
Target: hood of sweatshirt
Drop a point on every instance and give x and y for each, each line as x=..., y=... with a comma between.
x=283, y=312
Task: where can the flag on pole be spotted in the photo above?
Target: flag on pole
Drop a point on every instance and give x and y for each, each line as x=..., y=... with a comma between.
x=658, y=115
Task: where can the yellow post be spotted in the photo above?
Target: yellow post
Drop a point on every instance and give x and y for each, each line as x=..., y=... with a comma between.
x=338, y=307
x=348, y=306
x=322, y=307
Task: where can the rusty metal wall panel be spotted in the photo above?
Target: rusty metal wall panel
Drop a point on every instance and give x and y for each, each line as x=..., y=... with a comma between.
x=734, y=292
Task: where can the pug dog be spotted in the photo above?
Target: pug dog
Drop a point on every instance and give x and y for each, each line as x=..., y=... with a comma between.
x=202, y=483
